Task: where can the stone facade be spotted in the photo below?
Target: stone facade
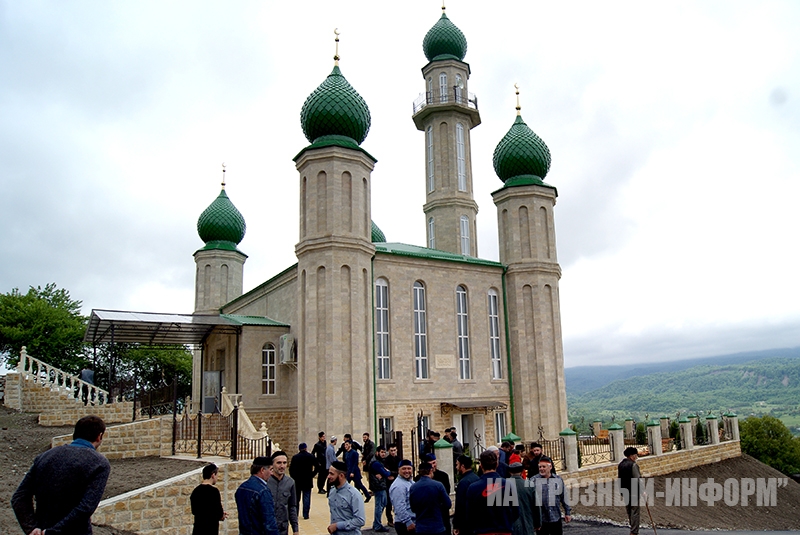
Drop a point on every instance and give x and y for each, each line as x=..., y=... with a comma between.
x=143, y=438
x=218, y=279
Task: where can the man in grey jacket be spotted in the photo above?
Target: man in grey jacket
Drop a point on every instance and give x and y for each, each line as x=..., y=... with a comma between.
x=284, y=494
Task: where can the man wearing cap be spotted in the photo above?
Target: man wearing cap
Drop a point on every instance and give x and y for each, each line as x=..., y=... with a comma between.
x=330, y=458
x=627, y=471
x=254, y=501
x=442, y=477
x=346, y=506
x=302, y=470
x=467, y=477
x=430, y=502
x=552, y=496
x=530, y=517
x=487, y=511
x=403, y=516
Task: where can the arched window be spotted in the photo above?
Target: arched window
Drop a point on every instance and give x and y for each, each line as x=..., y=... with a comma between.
x=461, y=158
x=494, y=335
x=429, y=149
x=431, y=234
x=443, y=86
x=420, y=332
x=465, y=235
x=382, y=328
x=459, y=87
x=268, y=370
x=462, y=328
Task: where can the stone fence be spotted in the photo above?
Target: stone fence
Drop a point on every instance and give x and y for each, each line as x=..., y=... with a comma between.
x=142, y=438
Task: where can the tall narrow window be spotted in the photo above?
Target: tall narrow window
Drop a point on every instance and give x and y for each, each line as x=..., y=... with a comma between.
x=443, y=87
x=461, y=158
x=268, y=369
x=430, y=90
x=500, y=425
x=462, y=324
x=420, y=333
x=464, y=235
x=429, y=149
x=494, y=336
x=385, y=430
x=382, y=328
x=459, y=87
x=431, y=234
x=423, y=424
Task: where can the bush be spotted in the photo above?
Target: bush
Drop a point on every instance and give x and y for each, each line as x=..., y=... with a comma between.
x=770, y=441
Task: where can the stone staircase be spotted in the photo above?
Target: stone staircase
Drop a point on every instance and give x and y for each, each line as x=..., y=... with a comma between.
x=59, y=397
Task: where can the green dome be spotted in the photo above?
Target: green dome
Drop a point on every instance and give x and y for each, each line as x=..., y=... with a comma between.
x=335, y=109
x=444, y=41
x=521, y=155
x=377, y=234
x=221, y=225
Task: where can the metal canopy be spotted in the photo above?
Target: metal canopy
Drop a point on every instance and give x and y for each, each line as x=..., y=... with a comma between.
x=153, y=328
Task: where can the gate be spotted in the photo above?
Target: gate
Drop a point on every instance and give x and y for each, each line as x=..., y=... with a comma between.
x=216, y=435
x=555, y=450
x=594, y=450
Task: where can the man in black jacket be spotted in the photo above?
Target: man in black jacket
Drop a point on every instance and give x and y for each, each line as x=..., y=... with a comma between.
x=302, y=470
x=627, y=471
x=319, y=455
x=467, y=477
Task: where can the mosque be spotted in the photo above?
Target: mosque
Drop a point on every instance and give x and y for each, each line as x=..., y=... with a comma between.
x=365, y=334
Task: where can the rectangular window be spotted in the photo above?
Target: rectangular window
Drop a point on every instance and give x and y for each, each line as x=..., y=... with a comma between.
x=461, y=158
x=382, y=328
x=462, y=324
x=465, y=235
x=500, y=425
x=385, y=429
x=423, y=424
x=494, y=336
x=443, y=87
x=268, y=370
x=420, y=333
x=431, y=234
x=429, y=148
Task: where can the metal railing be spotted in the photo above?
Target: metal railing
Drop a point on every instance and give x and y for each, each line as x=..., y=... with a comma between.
x=455, y=95
x=594, y=450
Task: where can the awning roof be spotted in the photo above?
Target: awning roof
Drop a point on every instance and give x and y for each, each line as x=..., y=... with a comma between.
x=154, y=328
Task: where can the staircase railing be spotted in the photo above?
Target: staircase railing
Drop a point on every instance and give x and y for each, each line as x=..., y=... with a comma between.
x=58, y=380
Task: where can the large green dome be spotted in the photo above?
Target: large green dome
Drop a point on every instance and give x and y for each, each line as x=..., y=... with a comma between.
x=335, y=109
x=521, y=155
x=444, y=41
x=221, y=225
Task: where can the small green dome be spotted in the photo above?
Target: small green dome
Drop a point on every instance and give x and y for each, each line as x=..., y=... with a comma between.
x=521, y=155
x=377, y=234
x=444, y=41
x=221, y=225
x=335, y=109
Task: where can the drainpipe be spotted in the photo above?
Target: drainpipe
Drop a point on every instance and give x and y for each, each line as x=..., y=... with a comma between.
x=508, y=355
x=374, y=356
x=238, y=332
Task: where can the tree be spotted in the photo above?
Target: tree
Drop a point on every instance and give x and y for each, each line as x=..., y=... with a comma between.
x=151, y=367
x=770, y=441
x=46, y=320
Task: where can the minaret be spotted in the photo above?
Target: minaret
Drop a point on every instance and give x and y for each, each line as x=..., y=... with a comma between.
x=446, y=113
x=220, y=265
x=528, y=250
x=334, y=254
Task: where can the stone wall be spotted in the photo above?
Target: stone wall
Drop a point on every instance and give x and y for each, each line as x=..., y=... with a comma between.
x=657, y=465
x=164, y=508
x=13, y=391
x=143, y=438
x=282, y=427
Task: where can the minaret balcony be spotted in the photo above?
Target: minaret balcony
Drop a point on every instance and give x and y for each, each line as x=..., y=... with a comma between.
x=453, y=99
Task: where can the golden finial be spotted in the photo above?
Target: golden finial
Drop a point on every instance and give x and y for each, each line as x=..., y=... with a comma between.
x=443, y=8
x=516, y=87
x=223, y=175
x=336, y=55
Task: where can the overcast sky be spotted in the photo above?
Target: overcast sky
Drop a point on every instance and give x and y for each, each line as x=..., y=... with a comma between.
x=674, y=129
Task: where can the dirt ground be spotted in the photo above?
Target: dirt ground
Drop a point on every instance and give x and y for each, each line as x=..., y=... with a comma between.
x=22, y=439
x=784, y=516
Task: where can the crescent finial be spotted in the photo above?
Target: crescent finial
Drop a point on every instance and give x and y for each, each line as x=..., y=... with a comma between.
x=336, y=55
x=223, y=175
x=516, y=87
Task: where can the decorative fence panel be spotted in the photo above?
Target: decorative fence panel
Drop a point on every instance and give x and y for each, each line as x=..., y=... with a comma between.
x=594, y=450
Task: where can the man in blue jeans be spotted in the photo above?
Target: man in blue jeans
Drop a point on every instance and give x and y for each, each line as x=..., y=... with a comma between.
x=379, y=485
x=254, y=501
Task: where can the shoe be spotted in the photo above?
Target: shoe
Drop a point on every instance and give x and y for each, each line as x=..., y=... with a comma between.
x=305, y=518
x=321, y=492
x=367, y=499
x=390, y=524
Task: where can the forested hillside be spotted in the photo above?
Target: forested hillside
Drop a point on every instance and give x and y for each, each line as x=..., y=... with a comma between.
x=766, y=386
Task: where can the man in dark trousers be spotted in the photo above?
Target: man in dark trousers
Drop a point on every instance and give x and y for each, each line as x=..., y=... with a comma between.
x=627, y=471
x=442, y=477
x=392, y=464
x=429, y=502
x=302, y=470
x=486, y=512
x=67, y=483
x=353, y=470
x=319, y=454
x=467, y=477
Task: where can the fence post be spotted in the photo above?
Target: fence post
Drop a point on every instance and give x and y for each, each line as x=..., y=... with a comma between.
x=199, y=434
x=617, y=435
x=234, y=432
x=654, y=437
x=664, y=420
x=175, y=416
x=444, y=457
x=687, y=433
x=630, y=428
x=712, y=429
x=570, y=439
x=734, y=423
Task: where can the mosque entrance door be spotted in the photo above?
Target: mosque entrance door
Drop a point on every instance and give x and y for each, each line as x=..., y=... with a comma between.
x=471, y=430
